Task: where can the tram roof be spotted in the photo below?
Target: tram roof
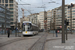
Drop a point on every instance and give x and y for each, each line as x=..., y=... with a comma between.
x=26, y=22
x=29, y=22
x=34, y=25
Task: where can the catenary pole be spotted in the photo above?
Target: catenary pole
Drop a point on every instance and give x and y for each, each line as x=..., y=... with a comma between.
x=63, y=17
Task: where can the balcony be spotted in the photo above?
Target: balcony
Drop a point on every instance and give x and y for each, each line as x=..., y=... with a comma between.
x=8, y=22
x=2, y=20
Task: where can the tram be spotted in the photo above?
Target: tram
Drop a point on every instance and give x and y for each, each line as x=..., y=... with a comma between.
x=29, y=29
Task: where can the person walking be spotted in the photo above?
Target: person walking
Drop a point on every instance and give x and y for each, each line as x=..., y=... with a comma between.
x=56, y=33
x=8, y=33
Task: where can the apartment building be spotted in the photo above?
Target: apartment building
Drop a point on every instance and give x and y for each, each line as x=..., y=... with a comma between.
x=49, y=16
x=58, y=17
x=73, y=17
x=43, y=20
x=34, y=18
x=39, y=19
x=4, y=17
x=13, y=7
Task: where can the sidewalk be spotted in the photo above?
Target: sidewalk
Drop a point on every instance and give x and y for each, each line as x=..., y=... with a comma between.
x=54, y=43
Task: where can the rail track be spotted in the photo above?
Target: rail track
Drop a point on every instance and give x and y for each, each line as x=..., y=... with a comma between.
x=12, y=41
x=52, y=39
x=39, y=44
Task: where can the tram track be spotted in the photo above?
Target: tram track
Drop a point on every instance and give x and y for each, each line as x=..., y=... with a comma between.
x=12, y=41
x=39, y=44
x=52, y=39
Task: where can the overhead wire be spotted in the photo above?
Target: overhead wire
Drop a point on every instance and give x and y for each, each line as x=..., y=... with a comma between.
x=22, y=6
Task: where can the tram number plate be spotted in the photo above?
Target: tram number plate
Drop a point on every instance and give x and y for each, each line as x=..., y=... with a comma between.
x=26, y=31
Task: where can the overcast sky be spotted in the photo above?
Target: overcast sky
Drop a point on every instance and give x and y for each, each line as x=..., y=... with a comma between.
x=39, y=3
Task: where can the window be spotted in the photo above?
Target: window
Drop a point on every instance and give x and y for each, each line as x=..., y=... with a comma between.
x=11, y=1
x=2, y=19
x=11, y=5
x=73, y=13
x=6, y=1
x=1, y=14
x=68, y=16
x=11, y=8
x=73, y=10
x=73, y=21
x=11, y=22
x=11, y=19
x=11, y=15
x=6, y=5
x=73, y=16
x=2, y=1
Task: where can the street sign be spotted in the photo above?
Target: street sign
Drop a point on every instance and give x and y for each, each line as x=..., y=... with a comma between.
x=58, y=31
x=60, y=26
x=45, y=21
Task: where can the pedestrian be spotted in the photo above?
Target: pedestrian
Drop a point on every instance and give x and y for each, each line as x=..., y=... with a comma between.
x=8, y=33
x=56, y=33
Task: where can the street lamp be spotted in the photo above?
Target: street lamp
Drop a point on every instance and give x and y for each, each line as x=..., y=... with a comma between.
x=16, y=27
x=5, y=19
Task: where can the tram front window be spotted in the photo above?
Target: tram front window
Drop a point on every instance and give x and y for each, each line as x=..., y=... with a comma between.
x=26, y=27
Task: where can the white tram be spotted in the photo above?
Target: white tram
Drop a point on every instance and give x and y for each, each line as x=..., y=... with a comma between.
x=29, y=29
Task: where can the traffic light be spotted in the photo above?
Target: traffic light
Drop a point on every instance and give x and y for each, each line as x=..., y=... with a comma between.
x=45, y=18
x=69, y=6
x=72, y=5
x=66, y=22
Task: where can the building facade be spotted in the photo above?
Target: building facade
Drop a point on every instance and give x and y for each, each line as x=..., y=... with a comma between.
x=34, y=18
x=4, y=17
x=43, y=20
x=49, y=16
x=13, y=7
x=58, y=18
x=39, y=19
x=69, y=17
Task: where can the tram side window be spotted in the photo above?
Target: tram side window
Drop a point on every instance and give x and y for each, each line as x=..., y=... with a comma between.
x=35, y=28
